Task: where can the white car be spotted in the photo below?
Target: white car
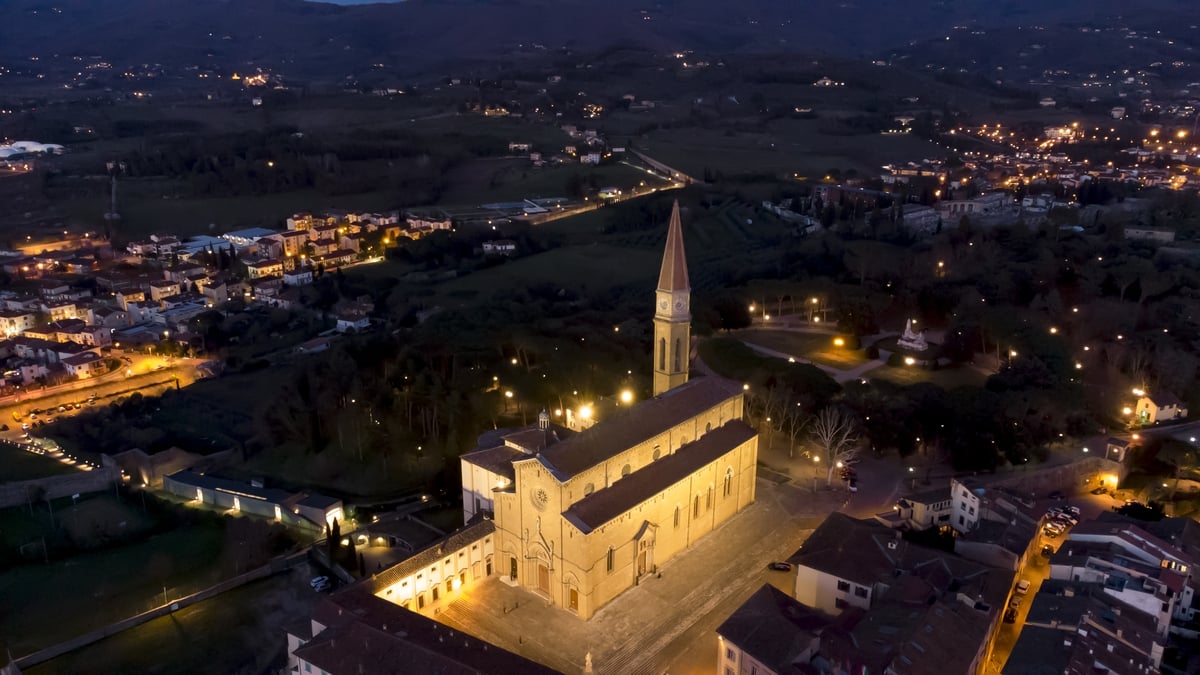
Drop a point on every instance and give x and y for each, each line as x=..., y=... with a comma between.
x=1023, y=586
x=319, y=581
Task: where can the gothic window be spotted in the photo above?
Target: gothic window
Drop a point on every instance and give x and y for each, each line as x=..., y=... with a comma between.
x=708, y=427
x=728, y=481
x=588, y=489
x=676, y=517
x=625, y=471
x=657, y=453
x=708, y=500
x=696, y=507
x=662, y=353
x=610, y=559
x=678, y=368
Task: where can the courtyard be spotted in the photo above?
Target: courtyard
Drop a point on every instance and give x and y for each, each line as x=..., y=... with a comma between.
x=666, y=620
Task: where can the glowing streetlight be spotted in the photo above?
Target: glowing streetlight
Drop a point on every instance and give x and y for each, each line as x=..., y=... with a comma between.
x=1139, y=392
x=1126, y=410
x=839, y=342
x=1085, y=449
x=1053, y=330
x=908, y=360
x=626, y=396
x=514, y=361
x=745, y=387
x=586, y=412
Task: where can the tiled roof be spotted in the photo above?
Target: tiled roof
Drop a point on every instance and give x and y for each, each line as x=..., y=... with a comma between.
x=431, y=554
x=674, y=274
x=773, y=628
x=365, y=634
x=497, y=460
x=605, y=504
x=866, y=552
x=640, y=423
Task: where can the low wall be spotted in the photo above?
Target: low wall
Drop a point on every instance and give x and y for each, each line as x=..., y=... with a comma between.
x=1078, y=476
x=18, y=493
x=277, y=565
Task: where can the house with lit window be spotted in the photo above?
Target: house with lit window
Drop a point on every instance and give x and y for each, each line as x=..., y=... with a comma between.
x=1155, y=407
x=301, y=509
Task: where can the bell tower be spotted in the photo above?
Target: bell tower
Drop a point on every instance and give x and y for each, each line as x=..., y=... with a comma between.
x=672, y=316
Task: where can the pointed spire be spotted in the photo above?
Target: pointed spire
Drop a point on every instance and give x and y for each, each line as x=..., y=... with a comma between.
x=674, y=274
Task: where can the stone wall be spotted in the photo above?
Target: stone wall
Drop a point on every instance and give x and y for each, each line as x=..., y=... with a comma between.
x=20, y=492
x=1079, y=476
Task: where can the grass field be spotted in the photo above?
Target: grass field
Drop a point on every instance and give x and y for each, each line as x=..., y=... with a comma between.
x=482, y=181
x=41, y=605
x=815, y=347
x=582, y=268
x=17, y=464
x=786, y=145
x=946, y=378
x=236, y=632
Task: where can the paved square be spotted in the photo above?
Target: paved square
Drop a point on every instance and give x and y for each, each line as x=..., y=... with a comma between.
x=651, y=625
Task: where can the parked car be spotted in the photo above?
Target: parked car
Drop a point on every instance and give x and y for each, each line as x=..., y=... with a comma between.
x=1015, y=602
x=1100, y=490
x=854, y=485
x=62, y=408
x=318, y=581
x=781, y=566
x=1057, y=495
x=321, y=588
x=25, y=426
x=1010, y=615
x=1074, y=511
x=1023, y=586
x=1047, y=550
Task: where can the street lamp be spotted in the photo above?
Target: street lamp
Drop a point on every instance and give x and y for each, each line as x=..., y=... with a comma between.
x=626, y=397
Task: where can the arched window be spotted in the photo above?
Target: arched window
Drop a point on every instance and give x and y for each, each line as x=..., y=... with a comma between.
x=657, y=453
x=662, y=353
x=728, y=481
x=588, y=489
x=678, y=358
x=708, y=500
x=625, y=471
x=708, y=427
x=610, y=559
x=677, y=517
x=696, y=507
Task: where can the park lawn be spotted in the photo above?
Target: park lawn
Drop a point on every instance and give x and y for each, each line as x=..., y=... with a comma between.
x=483, y=181
x=585, y=269
x=815, y=347
x=236, y=632
x=948, y=378
x=41, y=605
x=17, y=464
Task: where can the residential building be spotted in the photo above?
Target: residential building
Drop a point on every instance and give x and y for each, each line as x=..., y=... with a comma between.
x=895, y=601
x=16, y=321
x=1135, y=567
x=920, y=511
x=353, y=632
x=301, y=276
x=258, y=269
x=918, y=219
x=291, y=242
x=500, y=247
x=164, y=288
x=1150, y=234
x=1068, y=610
x=352, y=321
x=84, y=365
x=1156, y=407
x=769, y=634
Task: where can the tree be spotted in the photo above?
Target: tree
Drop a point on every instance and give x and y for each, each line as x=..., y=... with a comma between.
x=836, y=432
x=332, y=538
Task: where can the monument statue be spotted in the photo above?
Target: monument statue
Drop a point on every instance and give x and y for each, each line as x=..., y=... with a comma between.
x=911, y=339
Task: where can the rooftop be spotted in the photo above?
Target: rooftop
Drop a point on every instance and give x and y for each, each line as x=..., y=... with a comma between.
x=365, y=634
x=605, y=504
x=640, y=423
x=773, y=628
x=430, y=555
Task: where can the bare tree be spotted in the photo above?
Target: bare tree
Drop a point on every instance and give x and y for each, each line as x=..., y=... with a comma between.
x=796, y=422
x=836, y=434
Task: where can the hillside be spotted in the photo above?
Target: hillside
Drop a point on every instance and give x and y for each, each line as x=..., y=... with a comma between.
x=309, y=40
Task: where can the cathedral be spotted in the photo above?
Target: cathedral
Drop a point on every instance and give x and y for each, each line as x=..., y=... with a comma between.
x=578, y=514
x=582, y=516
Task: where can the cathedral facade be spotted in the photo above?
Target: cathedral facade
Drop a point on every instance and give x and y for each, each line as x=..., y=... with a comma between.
x=580, y=517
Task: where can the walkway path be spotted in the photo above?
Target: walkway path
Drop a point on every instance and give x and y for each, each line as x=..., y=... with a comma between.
x=645, y=628
x=837, y=374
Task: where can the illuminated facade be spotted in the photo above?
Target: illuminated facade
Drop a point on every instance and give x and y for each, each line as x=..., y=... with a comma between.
x=581, y=516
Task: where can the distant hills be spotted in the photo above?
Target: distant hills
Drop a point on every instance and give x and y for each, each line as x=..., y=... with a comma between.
x=311, y=40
